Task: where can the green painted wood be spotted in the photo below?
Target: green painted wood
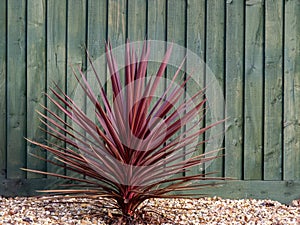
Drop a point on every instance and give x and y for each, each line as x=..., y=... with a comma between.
x=273, y=90
x=253, y=105
x=176, y=23
x=291, y=91
x=116, y=34
x=137, y=21
x=36, y=78
x=3, y=63
x=136, y=27
x=195, y=26
x=76, y=55
x=16, y=88
x=96, y=37
x=176, y=14
x=253, y=138
x=156, y=20
x=282, y=191
x=56, y=58
x=289, y=190
x=234, y=79
x=215, y=62
x=27, y=187
x=156, y=31
x=97, y=26
x=116, y=27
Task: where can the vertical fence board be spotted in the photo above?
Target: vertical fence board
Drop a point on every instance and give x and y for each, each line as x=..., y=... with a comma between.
x=116, y=33
x=36, y=79
x=176, y=14
x=96, y=37
x=234, y=79
x=137, y=20
x=56, y=57
x=157, y=20
x=3, y=63
x=156, y=31
x=16, y=103
x=215, y=62
x=40, y=39
x=117, y=22
x=273, y=91
x=196, y=43
x=76, y=46
x=97, y=22
x=292, y=91
x=176, y=22
x=253, y=90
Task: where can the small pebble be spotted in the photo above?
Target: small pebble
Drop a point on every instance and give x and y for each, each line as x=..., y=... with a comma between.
x=71, y=211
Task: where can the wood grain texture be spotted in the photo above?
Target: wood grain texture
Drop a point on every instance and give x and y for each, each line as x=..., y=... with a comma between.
x=97, y=26
x=96, y=37
x=232, y=189
x=234, y=80
x=156, y=31
x=36, y=78
x=176, y=14
x=156, y=20
x=76, y=55
x=215, y=48
x=16, y=88
x=273, y=90
x=195, y=26
x=253, y=148
x=292, y=91
x=56, y=58
x=257, y=189
x=116, y=26
x=260, y=75
x=3, y=63
x=116, y=34
x=137, y=20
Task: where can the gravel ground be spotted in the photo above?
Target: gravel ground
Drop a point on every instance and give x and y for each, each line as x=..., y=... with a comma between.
x=215, y=210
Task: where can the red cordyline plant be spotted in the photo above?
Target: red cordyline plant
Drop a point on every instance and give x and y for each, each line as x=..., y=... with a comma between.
x=135, y=148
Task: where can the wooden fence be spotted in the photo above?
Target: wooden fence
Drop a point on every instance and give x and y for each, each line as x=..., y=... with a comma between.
x=252, y=46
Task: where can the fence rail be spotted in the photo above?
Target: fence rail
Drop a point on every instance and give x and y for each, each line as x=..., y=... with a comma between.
x=251, y=46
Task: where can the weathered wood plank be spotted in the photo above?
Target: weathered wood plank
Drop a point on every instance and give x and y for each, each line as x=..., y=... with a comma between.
x=76, y=56
x=196, y=43
x=116, y=22
x=292, y=91
x=176, y=14
x=273, y=91
x=3, y=63
x=234, y=79
x=56, y=57
x=253, y=105
x=232, y=189
x=116, y=34
x=97, y=21
x=282, y=191
x=215, y=63
x=156, y=20
x=156, y=32
x=16, y=86
x=27, y=187
x=137, y=20
x=96, y=37
x=36, y=78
